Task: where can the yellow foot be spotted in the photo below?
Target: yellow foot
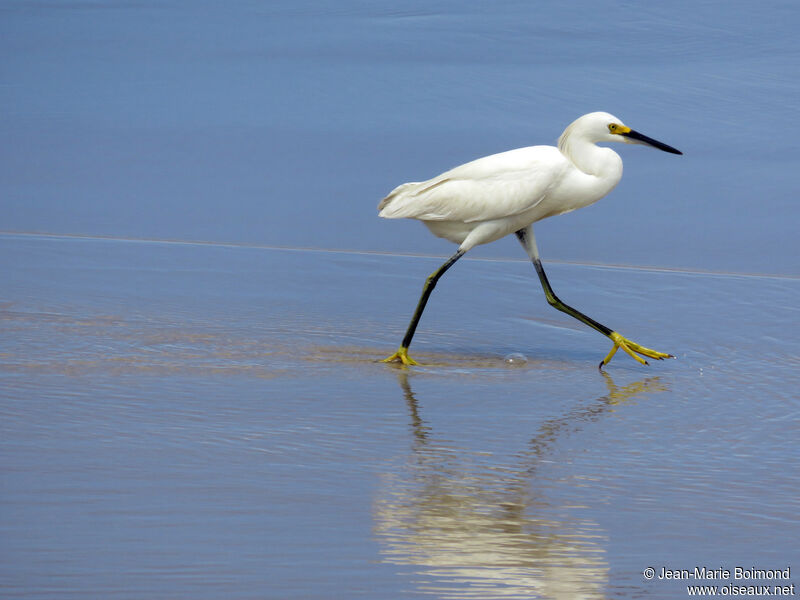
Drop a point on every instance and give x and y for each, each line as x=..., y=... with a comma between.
x=633, y=349
x=402, y=356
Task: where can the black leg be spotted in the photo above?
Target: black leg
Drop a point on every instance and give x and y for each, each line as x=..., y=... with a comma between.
x=430, y=283
x=633, y=349
x=553, y=300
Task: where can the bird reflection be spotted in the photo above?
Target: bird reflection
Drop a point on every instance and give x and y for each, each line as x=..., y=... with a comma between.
x=476, y=529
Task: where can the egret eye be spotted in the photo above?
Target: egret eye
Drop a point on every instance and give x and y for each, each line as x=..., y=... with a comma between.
x=612, y=127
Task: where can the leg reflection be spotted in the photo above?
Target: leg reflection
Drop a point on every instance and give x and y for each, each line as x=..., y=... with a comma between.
x=480, y=525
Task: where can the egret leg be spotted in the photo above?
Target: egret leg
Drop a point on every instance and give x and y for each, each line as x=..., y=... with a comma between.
x=633, y=349
x=430, y=283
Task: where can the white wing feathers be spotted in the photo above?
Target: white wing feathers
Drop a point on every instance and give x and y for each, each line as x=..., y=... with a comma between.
x=493, y=187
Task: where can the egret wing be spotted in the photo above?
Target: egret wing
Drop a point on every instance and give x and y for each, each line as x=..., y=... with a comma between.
x=492, y=187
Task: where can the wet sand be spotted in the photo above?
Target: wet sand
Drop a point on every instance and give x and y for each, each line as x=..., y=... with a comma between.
x=194, y=420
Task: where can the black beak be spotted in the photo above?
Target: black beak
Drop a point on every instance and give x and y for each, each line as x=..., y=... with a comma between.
x=635, y=135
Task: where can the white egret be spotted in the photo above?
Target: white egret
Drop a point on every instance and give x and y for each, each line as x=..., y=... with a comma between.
x=491, y=197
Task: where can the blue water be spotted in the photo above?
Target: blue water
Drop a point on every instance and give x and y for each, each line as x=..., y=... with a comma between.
x=199, y=413
x=285, y=123
x=199, y=421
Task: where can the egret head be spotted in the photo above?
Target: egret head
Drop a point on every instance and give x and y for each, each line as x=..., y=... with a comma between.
x=622, y=133
x=604, y=127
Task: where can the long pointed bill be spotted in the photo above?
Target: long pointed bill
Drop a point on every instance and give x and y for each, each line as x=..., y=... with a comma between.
x=635, y=135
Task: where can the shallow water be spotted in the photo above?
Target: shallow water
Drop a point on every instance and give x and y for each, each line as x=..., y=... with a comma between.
x=209, y=420
x=201, y=421
x=285, y=123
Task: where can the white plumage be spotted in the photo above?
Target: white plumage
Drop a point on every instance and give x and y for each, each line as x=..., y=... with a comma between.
x=502, y=193
x=491, y=197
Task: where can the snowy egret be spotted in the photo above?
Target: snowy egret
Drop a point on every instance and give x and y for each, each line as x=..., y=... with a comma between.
x=491, y=197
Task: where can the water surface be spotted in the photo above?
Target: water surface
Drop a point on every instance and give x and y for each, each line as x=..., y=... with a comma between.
x=202, y=421
x=207, y=420
x=269, y=122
